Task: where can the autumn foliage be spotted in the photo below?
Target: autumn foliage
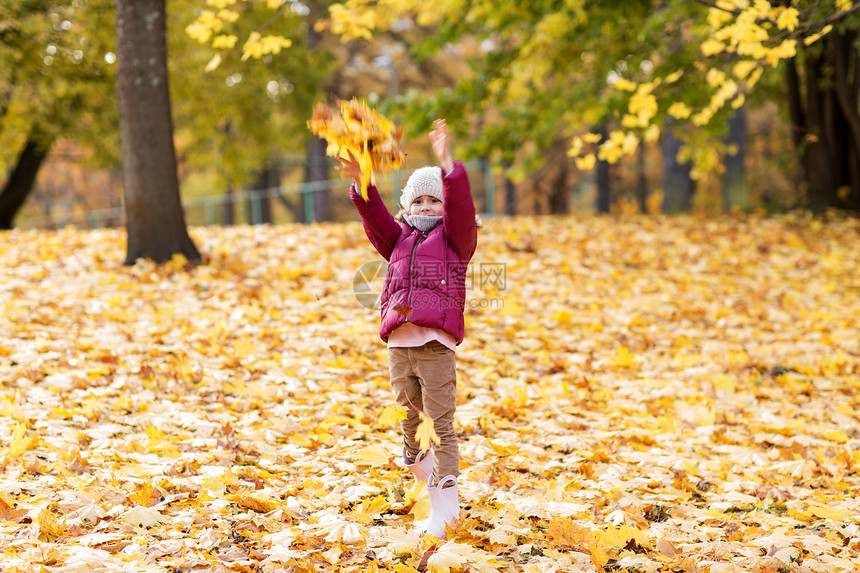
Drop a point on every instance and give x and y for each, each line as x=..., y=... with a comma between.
x=667, y=394
x=352, y=127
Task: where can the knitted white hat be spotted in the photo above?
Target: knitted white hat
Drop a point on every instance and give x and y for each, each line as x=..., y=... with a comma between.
x=423, y=181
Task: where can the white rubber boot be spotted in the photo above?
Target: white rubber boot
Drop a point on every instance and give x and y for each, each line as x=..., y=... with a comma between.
x=444, y=507
x=422, y=467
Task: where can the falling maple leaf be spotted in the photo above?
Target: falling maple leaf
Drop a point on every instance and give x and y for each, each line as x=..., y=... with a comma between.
x=426, y=432
x=351, y=127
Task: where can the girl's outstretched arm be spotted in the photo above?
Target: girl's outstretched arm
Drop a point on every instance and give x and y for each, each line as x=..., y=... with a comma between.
x=379, y=225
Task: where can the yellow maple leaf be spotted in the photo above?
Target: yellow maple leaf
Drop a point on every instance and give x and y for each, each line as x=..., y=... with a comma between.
x=623, y=358
x=50, y=524
x=391, y=415
x=254, y=502
x=21, y=442
x=828, y=512
x=426, y=433
x=598, y=556
x=586, y=163
x=565, y=533
x=374, y=456
x=451, y=555
x=421, y=502
x=146, y=495
x=371, y=509
x=836, y=436
x=619, y=536
x=788, y=18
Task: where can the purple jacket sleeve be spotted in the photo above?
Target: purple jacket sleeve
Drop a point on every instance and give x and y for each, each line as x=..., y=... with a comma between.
x=458, y=215
x=379, y=224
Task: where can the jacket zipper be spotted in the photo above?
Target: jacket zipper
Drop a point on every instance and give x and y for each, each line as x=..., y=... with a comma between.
x=411, y=273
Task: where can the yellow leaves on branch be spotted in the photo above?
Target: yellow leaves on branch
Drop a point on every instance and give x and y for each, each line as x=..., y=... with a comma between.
x=258, y=45
x=210, y=24
x=351, y=22
x=758, y=33
x=351, y=127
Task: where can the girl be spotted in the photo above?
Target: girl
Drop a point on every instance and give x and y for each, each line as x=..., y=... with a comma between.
x=422, y=308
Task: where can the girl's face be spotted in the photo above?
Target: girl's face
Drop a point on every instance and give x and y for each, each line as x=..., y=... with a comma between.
x=426, y=205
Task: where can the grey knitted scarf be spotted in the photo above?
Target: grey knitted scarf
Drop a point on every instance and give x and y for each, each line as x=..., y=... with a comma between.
x=423, y=222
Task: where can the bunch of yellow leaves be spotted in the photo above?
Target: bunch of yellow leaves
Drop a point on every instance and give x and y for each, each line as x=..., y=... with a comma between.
x=372, y=138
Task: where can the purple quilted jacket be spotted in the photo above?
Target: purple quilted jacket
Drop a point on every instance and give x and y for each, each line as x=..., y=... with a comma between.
x=426, y=280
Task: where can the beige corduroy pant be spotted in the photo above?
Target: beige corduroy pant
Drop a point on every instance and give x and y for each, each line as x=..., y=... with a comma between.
x=425, y=378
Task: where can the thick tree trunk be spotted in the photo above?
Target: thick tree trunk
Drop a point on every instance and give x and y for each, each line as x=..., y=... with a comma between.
x=845, y=59
x=21, y=181
x=826, y=124
x=735, y=193
x=155, y=220
x=677, y=183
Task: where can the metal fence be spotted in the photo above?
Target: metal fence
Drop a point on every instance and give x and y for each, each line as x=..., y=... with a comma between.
x=252, y=200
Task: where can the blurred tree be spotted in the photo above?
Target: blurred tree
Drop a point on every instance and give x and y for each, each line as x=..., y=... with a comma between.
x=823, y=84
x=63, y=86
x=551, y=67
x=56, y=84
x=236, y=111
x=330, y=66
x=154, y=215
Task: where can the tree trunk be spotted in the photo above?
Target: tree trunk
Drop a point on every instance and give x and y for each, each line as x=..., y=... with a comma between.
x=317, y=166
x=642, y=180
x=154, y=215
x=604, y=181
x=559, y=193
x=267, y=179
x=677, y=183
x=228, y=208
x=317, y=170
x=847, y=58
x=826, y=124
x=735, y=193
x=21, y=181
x=510, y=192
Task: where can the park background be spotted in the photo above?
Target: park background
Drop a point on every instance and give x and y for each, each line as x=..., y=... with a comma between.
x=749, y=124
x=661, y=366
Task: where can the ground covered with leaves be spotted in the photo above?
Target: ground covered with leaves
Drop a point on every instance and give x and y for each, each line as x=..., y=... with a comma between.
x=642, y=394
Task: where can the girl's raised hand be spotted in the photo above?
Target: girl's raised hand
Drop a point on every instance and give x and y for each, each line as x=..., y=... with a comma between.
x=442, y=145
x=349, y=167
